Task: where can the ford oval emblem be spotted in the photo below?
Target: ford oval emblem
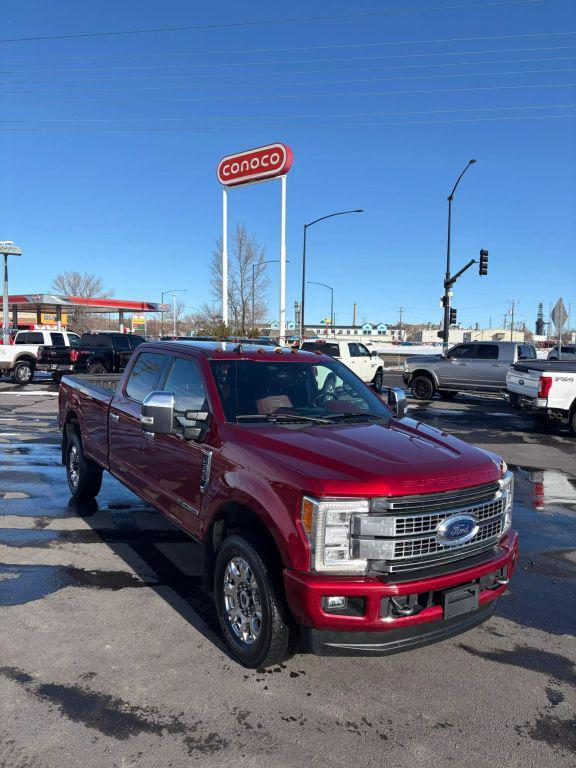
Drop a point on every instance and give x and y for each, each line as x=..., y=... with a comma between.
x=457, y=529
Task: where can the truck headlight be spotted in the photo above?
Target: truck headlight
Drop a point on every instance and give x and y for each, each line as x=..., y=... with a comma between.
x=327, y=524
x=507, y=486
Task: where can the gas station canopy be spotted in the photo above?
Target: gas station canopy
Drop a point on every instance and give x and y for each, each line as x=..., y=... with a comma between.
x=47, y=303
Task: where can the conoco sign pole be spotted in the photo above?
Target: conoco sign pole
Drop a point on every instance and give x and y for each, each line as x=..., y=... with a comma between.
x=282, y=314
x=225, y=255
x=251, y=167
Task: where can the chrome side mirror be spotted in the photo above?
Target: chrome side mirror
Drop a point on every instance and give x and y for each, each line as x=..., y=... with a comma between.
x=158, y=413
x=397, y=401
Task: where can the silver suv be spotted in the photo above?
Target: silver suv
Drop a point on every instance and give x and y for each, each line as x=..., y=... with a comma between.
x=479, y=366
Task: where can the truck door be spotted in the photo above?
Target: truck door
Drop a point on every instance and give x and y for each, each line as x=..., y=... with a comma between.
x=488, y=368
x=177, y=461
x=125, y=437
x=354, y=360
x=122, y=352
x=455, y=370
x=369, y=363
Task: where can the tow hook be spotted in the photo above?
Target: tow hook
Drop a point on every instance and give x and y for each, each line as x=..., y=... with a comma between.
x=500, y=581
x=404, y=609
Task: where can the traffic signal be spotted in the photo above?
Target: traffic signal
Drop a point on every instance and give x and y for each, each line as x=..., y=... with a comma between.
x=483, y=266
x=452, y=316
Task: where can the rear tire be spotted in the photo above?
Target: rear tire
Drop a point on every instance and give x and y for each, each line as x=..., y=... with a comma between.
x=23, y=373
x=423, y=387
x=251, y=608
x=84, y=476
x=97, y=368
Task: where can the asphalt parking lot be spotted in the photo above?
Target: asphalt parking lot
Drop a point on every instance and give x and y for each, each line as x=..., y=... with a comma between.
x=109, y=654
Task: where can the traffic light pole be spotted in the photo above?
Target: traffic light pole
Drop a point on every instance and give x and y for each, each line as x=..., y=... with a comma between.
x=447, y=284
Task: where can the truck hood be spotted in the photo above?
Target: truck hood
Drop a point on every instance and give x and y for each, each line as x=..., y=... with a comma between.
x=396, y=457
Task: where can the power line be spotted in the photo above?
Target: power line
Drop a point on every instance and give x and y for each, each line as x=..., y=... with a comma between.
x=345, y=59
x=276, y=22
x=335, y=93
x=312, y=125
x=304, y=115
x=234, y=51
x=380, y=79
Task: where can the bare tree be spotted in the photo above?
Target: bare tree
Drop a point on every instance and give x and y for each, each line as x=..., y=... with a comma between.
x=85, y=286
x=245, y=260
x=169, y=318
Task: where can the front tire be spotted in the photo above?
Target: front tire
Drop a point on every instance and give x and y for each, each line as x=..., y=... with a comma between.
x=84, y=476
x=423, y=387
x=378, y=381
x=572, y=422
x=253, y=615
x=23, y=373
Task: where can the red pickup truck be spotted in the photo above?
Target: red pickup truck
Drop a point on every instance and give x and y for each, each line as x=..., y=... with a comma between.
x=325, y=514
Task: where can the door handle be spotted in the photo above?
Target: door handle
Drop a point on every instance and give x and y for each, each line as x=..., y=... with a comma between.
x=496, y=365
x=148, y=435
x=114, y=417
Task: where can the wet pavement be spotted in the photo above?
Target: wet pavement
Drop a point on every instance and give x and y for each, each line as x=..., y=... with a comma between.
x=110, y=655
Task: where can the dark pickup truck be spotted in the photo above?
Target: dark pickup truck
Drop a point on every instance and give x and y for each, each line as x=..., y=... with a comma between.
x=97, y=352
x=324, y=514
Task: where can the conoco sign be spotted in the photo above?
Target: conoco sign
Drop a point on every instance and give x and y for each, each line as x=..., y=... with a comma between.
x=254, y=165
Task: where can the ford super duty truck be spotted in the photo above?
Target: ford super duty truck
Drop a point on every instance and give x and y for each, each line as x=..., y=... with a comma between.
x=324, y=513
x=545, y=387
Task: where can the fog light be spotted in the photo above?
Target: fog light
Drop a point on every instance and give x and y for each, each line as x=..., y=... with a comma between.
x=335, y=602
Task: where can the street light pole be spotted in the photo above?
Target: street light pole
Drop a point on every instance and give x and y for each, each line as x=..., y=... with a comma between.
x=302, y=298
x=447, y=284
x=173, y=291
x=7, y=248
x=311, y=282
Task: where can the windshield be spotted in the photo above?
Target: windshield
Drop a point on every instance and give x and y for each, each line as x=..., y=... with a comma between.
x=325, y=392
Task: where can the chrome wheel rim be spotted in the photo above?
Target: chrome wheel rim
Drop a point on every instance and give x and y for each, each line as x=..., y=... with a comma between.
x=74, y=466
x=24, y=373
x=242, y=601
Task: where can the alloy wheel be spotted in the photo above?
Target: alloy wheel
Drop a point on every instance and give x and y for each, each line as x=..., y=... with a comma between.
x=242, y=600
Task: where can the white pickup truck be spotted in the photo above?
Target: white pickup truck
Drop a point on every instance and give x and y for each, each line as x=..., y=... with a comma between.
x=365, y=364
x=19, y=358
x=546, y=387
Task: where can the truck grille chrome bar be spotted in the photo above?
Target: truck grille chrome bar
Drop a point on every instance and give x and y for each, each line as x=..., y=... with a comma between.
x=401, y=533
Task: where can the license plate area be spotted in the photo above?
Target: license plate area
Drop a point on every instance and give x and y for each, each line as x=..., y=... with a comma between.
x=460, y=600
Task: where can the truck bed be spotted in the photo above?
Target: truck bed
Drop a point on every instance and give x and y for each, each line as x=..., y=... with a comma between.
x=545, y=365
x=93, y=384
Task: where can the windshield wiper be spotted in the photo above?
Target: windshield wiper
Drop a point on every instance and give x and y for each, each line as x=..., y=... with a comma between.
x=355, y=415
x=274, y=417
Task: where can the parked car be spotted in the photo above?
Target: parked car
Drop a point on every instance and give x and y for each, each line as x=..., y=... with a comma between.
x=104, y=351
x=568, y=352
x=545, y=387
x=323, y=514
x=365, y=364
x=20, y=359
x=479, y=366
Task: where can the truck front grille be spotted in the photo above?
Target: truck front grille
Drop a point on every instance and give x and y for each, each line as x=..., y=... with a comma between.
x=400, y=533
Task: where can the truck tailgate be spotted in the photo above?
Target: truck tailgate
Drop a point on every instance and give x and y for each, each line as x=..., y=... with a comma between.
x=523, y=383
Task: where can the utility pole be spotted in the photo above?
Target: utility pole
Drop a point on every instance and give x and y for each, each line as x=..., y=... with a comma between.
x=354, y=315
x=513, y=303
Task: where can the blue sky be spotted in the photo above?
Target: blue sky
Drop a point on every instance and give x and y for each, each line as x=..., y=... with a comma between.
x=109, y=147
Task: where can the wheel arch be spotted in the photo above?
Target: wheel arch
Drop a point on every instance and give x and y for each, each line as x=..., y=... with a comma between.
x=25, y=357
x=71, y=427
x=237, y=517
x=425, y=372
